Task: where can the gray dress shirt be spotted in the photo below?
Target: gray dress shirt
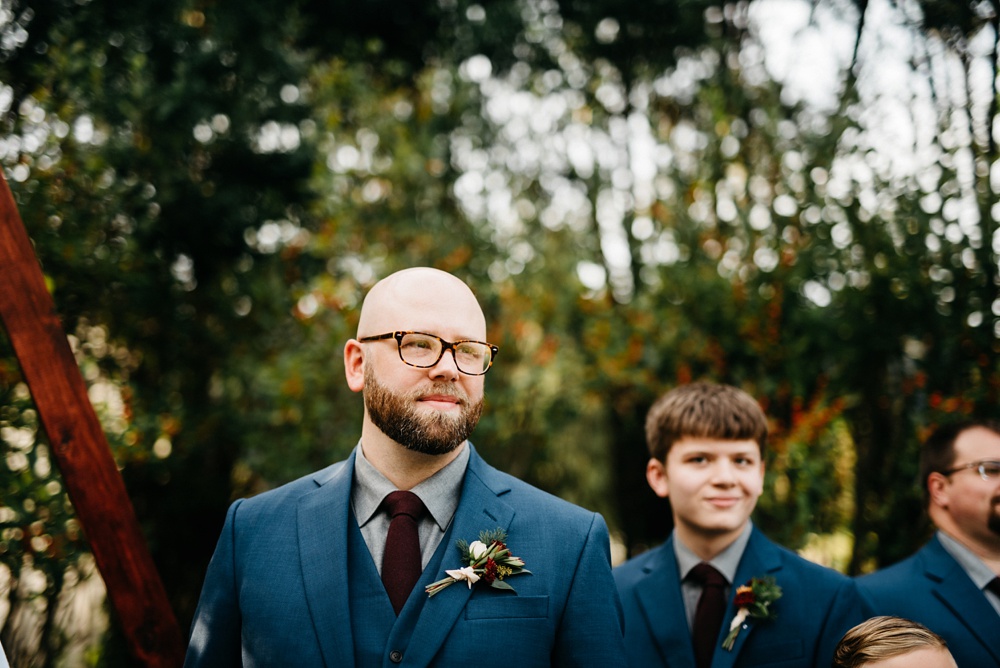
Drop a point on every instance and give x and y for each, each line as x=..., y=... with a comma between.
x=726, y=562
x=978, y=572
x=440, y=494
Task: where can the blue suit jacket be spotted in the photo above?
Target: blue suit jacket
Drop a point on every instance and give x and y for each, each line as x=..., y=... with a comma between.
x=276, y=591
x=817, y=606
x=930, y=587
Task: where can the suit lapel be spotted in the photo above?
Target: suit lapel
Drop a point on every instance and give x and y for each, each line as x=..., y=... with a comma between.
x=480, y=509
x=759, y=558
x=956, y=590
x=322, y=520
x=662, y=606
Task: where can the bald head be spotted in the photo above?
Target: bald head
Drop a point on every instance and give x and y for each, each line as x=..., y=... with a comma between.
x=422, y=299
x=415, y=410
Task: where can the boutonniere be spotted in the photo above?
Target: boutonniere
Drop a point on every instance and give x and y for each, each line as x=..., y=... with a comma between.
x=488, y=560
x=753, y=600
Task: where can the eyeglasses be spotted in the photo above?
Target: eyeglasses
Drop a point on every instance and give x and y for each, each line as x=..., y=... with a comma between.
x=473, y=358
x=989, y=469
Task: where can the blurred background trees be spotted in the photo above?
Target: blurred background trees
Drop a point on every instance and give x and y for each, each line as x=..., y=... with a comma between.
x=641, y=194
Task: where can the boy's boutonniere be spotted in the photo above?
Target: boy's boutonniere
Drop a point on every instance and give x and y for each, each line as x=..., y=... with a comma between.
x=753, y=600
x=487, y=559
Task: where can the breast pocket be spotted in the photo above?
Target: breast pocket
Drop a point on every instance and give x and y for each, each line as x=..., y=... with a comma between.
x=507, y=607
x=773, y=654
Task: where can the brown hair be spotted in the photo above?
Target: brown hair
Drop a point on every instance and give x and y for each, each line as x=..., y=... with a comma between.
x=883, y=638
x=938, y=451
x=704, y=410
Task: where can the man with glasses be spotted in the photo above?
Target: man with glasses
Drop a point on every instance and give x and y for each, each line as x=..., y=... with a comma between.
x=951, y=585
x=334, y=569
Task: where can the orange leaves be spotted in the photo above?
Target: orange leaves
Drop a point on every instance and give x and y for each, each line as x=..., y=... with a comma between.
x=808, y=422
x=959, y=404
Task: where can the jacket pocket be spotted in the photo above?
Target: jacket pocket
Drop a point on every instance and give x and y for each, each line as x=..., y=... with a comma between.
x=507, y=607
x=773, y=654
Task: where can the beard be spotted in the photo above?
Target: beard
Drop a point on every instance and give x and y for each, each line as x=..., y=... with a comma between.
x=431, y=433
x=993, y=522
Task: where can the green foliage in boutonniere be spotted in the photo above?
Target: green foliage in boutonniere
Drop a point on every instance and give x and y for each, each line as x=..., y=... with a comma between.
x=488, y=560
x=752, y=600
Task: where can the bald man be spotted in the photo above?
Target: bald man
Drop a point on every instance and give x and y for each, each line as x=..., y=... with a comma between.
x=333, y=569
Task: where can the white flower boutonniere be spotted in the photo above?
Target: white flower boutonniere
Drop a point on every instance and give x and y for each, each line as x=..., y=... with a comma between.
x=467, y=573
x=752, y=600
x=488, y=560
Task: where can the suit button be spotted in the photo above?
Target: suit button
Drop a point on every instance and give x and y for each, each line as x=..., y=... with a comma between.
x=396, y=656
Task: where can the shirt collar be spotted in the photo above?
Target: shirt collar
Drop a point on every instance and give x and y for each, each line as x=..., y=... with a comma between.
x=440, y=493
x=979, y=572
x=726, y=562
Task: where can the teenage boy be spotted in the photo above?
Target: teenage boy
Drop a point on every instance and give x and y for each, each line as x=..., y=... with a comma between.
x=718, y=593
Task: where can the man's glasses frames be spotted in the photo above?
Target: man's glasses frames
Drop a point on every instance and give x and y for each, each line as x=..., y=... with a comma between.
x=422, y=350
x=988, y=469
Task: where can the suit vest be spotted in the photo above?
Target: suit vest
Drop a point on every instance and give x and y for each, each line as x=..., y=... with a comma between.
x=381, y=638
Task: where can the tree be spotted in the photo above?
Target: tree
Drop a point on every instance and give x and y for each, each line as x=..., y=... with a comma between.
x=636, y=201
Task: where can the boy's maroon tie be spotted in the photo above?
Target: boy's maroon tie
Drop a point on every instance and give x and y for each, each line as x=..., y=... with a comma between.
x=708, y=615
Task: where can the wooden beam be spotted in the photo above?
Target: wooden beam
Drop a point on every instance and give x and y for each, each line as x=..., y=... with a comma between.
x=81, y=450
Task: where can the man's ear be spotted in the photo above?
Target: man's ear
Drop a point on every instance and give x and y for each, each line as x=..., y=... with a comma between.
x=656, y=476
x=354, y=365
x=937, y=489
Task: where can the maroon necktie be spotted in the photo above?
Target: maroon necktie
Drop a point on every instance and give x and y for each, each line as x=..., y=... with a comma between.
x=708, y=615
x=401, y=561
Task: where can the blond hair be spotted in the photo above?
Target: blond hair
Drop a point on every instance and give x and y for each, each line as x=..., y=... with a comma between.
x=883, y=638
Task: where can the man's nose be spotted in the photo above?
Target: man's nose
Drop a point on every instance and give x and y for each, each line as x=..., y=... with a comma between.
x=446, y=367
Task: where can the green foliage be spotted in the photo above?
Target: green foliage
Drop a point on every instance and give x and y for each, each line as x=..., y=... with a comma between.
x=212, y=188
x=39, y=536
x=152, y=122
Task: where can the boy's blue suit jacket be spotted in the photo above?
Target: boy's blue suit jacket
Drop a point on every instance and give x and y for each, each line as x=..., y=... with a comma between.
x=930, y=587
x=817, y=606
x=276, y=591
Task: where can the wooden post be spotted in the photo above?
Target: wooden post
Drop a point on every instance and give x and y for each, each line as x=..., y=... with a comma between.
x=81, y=450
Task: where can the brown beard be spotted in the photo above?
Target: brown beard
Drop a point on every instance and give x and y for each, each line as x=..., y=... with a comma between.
x=434, y=434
